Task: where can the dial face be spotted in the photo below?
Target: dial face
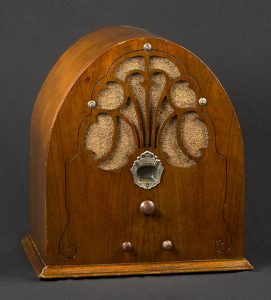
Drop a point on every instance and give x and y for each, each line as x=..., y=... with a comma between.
x=147, y=170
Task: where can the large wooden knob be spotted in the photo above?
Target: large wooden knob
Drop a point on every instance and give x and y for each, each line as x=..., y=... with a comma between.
x=147, y=207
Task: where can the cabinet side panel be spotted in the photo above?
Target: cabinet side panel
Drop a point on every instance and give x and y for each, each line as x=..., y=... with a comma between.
x=37, y=188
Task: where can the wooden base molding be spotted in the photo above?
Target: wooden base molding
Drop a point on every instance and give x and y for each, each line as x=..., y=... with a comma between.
x=72, y=271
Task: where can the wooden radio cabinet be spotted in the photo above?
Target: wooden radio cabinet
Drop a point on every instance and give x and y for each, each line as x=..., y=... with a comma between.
x=137, y=163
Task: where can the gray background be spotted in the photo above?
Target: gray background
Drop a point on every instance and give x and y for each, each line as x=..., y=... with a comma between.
x=232, y=37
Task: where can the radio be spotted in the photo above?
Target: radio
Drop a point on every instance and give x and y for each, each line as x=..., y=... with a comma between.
x=137, y=163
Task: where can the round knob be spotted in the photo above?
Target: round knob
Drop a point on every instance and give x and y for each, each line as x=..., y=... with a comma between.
x=126, y=246
x=147, y=47
x=91, y=104
x=202, y=101
x=147, y=207
x=167, y=245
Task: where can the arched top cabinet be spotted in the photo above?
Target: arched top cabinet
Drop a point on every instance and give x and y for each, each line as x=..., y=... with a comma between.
x=137, y=162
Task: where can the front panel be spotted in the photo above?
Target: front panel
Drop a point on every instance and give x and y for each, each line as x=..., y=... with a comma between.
x=148, y=137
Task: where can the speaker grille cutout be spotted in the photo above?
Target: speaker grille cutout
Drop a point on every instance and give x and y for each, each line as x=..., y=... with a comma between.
x=169, y=145
x=136, y=82
x=99, y=137
x=182, y=96
x=151, y=113
x=194, y=134
x=129, y=112
x=130, y=64
x=111, y=97
x=124, y=147
x=155, y=94
x=165, y=65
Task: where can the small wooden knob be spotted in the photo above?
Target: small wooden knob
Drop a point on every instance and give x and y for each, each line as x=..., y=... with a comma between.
x=147, y=207
x=126, y=246
x=167, y=245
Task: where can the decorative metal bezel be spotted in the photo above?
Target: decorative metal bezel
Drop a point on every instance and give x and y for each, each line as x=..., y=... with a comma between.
x=202, y=101
x=147, y=47
x=147, y=159
x=91, y=104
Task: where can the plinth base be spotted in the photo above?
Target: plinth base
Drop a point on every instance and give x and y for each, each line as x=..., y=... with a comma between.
x=68, y=271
